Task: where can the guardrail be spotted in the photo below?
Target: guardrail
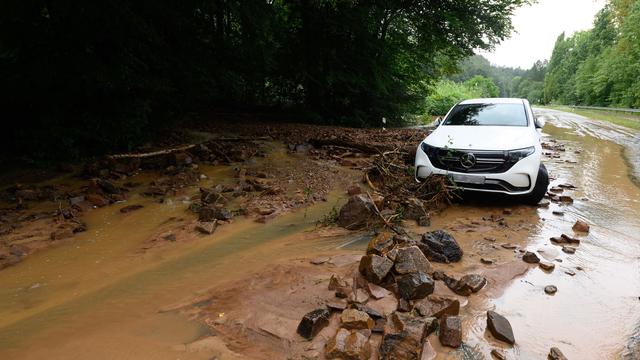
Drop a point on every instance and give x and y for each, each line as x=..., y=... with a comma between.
x=636, y=111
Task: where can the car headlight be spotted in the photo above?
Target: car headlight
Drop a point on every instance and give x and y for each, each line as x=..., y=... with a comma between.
x=428, y=149
x=519, y=154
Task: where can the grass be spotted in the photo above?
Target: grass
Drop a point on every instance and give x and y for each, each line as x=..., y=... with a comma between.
x=631, y=121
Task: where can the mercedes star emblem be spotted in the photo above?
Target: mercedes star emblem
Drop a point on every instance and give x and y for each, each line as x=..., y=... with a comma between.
x=467, y=160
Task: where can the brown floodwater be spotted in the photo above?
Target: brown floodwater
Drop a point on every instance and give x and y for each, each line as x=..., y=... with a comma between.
x=99, y=296
x=596, y=313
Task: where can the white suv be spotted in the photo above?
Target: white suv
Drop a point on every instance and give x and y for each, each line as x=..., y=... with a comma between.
x=490, y=145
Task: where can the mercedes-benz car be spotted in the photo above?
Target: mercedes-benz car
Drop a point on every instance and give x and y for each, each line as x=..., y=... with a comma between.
x=489, y=145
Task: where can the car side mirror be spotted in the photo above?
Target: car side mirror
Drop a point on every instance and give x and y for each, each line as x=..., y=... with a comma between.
x=438, y=121
x=538, y=122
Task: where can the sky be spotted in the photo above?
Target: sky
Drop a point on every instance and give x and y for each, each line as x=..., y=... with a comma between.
x=536, y=28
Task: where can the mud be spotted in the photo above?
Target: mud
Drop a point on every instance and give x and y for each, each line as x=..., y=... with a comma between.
x=123, y=290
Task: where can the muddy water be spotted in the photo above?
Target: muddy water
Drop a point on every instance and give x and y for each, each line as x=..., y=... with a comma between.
x=596, y=313
x=98, y=296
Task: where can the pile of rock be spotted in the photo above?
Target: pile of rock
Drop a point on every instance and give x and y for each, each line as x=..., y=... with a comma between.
x=392, y=295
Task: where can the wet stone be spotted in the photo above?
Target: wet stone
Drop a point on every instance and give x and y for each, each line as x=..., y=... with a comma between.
x=335, y=282
x=211, y=213
x=377, y=292
x=415, y=286
x=404, y=336
x=348, y=345
x=437, y=306
x=440, y=246
x=547, y=266
x=313, y=322
x=130, y=208
x=411, y=260
x=550, y=289
x=467, y=284
x=450, y=331
x=374, y=268
x=581, y=226
x=380, y=244
x=355, y=319
x=500, y=327
x=569, y=249
x=498, y=354
x=556, y=354
x=487, y=261
x=530, y=258
x=206, y=227
x=357, y=212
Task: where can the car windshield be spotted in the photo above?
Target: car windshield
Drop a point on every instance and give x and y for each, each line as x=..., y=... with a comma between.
x=487, y=115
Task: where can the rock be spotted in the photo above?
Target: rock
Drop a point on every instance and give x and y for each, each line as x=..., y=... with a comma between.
x=344, y=292
x=404, y=336
x=378, y=292
x=313, y=322
x=359, y=296
x=354, y=190
x=319, y=261
x=61, y=234
x=265, y=211
x=424, y=221
x=487, y=261
x=385, y=306
x=206, y=227
x=547, y=266
x=97, y=200
x=498, y=354
x=348, y=345
x=411, y=260
x=374, y=268
x=440, y=246
x=450, y=331
x=467, y=284
x=428, y=352
x=509, y=246
x=556, y=354
x=507, y=211
x=130, y=208
x=404, y=305
x=500, y=327
x=357, y=213
x=413, y=209
x=530, y=258
x=375, y=314
x=212, y=213
x=558, y=212
x=565, y=239
x=337, y=304
x=335, y=282
x=565, y=199
x=438, y=306
x=380, y=244
x=550, y=289
x=355, y=319
x=415, y=286
x=107, y=186
x=570, y=272
x=569, y=249
x=581, y=226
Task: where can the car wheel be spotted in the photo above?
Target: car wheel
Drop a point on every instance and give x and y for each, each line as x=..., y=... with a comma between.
x=540, y=189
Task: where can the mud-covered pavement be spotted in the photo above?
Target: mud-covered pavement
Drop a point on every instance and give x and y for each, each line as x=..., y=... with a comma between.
x=240, y=292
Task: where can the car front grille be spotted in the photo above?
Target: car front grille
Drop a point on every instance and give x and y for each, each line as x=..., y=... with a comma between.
x=484, y=161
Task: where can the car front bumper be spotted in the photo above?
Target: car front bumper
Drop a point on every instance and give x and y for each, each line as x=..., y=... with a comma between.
x=520, y=179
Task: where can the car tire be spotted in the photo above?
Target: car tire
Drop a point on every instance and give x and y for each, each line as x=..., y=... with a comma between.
x=540, y=189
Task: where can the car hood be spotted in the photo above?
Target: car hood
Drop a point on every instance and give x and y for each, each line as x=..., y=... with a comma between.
x=483, y=137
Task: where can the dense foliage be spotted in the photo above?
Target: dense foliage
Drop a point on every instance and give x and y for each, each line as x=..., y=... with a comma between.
x=447, y=93
x=102, y=75
x=600, y=66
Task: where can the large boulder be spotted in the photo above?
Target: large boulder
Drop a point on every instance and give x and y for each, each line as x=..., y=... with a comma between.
x=313, y=322
x=410, y=260
x=500, y=327
x=415, y=286
x=440, y=246
x=375, y=268
x=357, y=213
x=451, y=331
x=348, y=345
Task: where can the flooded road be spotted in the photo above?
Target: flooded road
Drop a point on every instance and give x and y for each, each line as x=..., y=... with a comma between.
x=596, y=313
x=99, y=297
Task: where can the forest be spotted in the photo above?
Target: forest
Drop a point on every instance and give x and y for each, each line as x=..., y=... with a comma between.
x=600, y=66
x=85, y=78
